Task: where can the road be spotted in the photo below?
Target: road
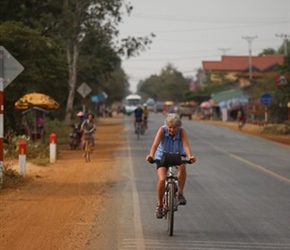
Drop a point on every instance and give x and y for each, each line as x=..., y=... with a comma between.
x=238, y=194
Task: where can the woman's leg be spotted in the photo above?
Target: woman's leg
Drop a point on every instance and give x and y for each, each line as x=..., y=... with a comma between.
x=181, y=178
x=161, y=173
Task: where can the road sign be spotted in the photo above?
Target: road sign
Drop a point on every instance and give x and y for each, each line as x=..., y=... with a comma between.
x=266, y=99
x=84, y=90
x=11, y=68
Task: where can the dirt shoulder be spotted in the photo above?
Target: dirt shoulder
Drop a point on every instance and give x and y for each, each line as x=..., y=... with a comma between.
x=252, y=129
x=57, y=210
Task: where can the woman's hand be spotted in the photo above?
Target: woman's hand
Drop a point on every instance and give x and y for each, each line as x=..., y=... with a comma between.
x=149, y=158
x=192, y=159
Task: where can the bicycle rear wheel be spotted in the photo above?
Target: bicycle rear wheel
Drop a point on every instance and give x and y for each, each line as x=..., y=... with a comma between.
x=170, y=212
x=138, y=131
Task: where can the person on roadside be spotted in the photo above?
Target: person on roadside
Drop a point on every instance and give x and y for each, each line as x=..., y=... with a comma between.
x=170, y=138
x=88, y=127
x=82, y=118
x=241, y=117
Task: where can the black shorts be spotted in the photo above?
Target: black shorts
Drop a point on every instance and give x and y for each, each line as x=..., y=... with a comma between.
x=159, y=165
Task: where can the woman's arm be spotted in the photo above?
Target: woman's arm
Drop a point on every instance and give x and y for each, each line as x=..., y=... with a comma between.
x=157, y=140
x=186, y=145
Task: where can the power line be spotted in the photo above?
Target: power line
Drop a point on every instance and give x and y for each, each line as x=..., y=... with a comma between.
x=250, y=39
x=224, y=50
x=285, y=41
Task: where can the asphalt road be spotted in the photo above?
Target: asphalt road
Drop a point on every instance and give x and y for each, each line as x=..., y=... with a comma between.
x=238, y=194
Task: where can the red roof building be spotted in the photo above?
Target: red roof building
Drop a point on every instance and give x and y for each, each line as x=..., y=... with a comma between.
x=236, y=68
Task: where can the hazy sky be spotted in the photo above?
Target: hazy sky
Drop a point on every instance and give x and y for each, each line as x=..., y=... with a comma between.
x=191, y=31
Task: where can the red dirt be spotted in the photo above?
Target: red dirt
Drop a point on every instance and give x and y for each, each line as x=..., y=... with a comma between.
x=57, y=209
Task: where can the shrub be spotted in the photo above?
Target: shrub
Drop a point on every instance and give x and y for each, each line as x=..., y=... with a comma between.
x=11, y=178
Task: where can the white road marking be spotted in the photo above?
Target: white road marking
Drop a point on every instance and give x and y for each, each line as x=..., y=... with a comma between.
x=140, y=243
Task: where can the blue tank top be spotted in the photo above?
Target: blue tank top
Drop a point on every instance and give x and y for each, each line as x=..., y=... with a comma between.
x=170, y=144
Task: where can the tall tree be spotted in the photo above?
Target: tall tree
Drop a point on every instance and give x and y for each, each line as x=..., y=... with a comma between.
x=100, y=17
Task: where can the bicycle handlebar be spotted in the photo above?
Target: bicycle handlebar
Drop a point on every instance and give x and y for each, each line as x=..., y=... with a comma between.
x=152, y=161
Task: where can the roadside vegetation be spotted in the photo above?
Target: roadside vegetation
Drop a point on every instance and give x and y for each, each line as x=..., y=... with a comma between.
x=37, y=152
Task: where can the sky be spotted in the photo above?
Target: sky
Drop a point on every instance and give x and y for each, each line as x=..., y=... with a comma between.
x=191, y=31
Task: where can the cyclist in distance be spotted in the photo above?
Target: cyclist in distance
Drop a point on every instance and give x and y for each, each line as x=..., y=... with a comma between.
x=170, y=138
x=138, y=115
x=145, y=115
x=88, y=127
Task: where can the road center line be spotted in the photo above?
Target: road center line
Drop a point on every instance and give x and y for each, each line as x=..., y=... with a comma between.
x=267, y=171
x=136, y=205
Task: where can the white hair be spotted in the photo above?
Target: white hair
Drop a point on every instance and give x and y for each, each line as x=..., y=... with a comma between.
x=173, y=120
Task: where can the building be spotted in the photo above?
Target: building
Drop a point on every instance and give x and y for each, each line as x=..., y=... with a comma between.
x=236, y=68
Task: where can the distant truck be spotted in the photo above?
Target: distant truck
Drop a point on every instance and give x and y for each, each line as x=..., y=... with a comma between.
x=184, y=111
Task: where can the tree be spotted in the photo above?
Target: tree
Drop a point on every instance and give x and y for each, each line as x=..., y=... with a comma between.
x=44, y=66
x=69, y=22
x=169, y=85
x=269, y=51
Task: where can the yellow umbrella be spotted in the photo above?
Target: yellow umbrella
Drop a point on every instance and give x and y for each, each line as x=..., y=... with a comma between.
x=36, y=100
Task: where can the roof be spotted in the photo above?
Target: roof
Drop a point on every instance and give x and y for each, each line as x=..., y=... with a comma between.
x=227, y=95
x=240, y=63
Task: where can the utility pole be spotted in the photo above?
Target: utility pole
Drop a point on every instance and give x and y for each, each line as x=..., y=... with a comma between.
x=250, y=39
x=285, y=40
x=224, y=50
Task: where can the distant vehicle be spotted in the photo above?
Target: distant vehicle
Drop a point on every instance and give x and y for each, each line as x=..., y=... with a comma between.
x=186, y=109
x=150, y=104
x=131, y=103
x=159, y=106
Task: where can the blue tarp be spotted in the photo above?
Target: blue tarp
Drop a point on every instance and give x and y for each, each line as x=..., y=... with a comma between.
x=99, y=98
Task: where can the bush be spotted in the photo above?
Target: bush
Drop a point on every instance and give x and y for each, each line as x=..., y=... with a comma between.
x=11, y=178
x=276, y=129
x=36, y=151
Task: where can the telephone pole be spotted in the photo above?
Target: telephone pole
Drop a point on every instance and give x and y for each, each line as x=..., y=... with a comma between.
x=285, y=40
x=224, y=50
x=250, y=39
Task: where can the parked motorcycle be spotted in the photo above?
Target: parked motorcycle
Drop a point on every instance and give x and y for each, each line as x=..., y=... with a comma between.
x=75, y=135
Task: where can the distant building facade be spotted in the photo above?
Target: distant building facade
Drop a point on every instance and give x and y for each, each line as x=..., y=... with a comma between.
x=236, y=68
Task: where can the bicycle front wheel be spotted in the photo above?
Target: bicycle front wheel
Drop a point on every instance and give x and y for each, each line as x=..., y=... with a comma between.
x=87, y=151
x=170, y=212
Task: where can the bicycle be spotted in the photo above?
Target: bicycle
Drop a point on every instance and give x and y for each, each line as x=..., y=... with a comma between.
x=170, y=199
x=88, y=150
x=138, y=129
x=89, y=142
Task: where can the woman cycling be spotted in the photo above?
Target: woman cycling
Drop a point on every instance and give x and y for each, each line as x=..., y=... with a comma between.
x=88, y=127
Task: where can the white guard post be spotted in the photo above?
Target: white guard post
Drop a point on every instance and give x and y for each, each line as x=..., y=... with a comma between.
x=52, y=148
x=22, y=157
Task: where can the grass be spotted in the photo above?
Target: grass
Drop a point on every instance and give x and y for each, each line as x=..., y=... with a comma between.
x=11, y=178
